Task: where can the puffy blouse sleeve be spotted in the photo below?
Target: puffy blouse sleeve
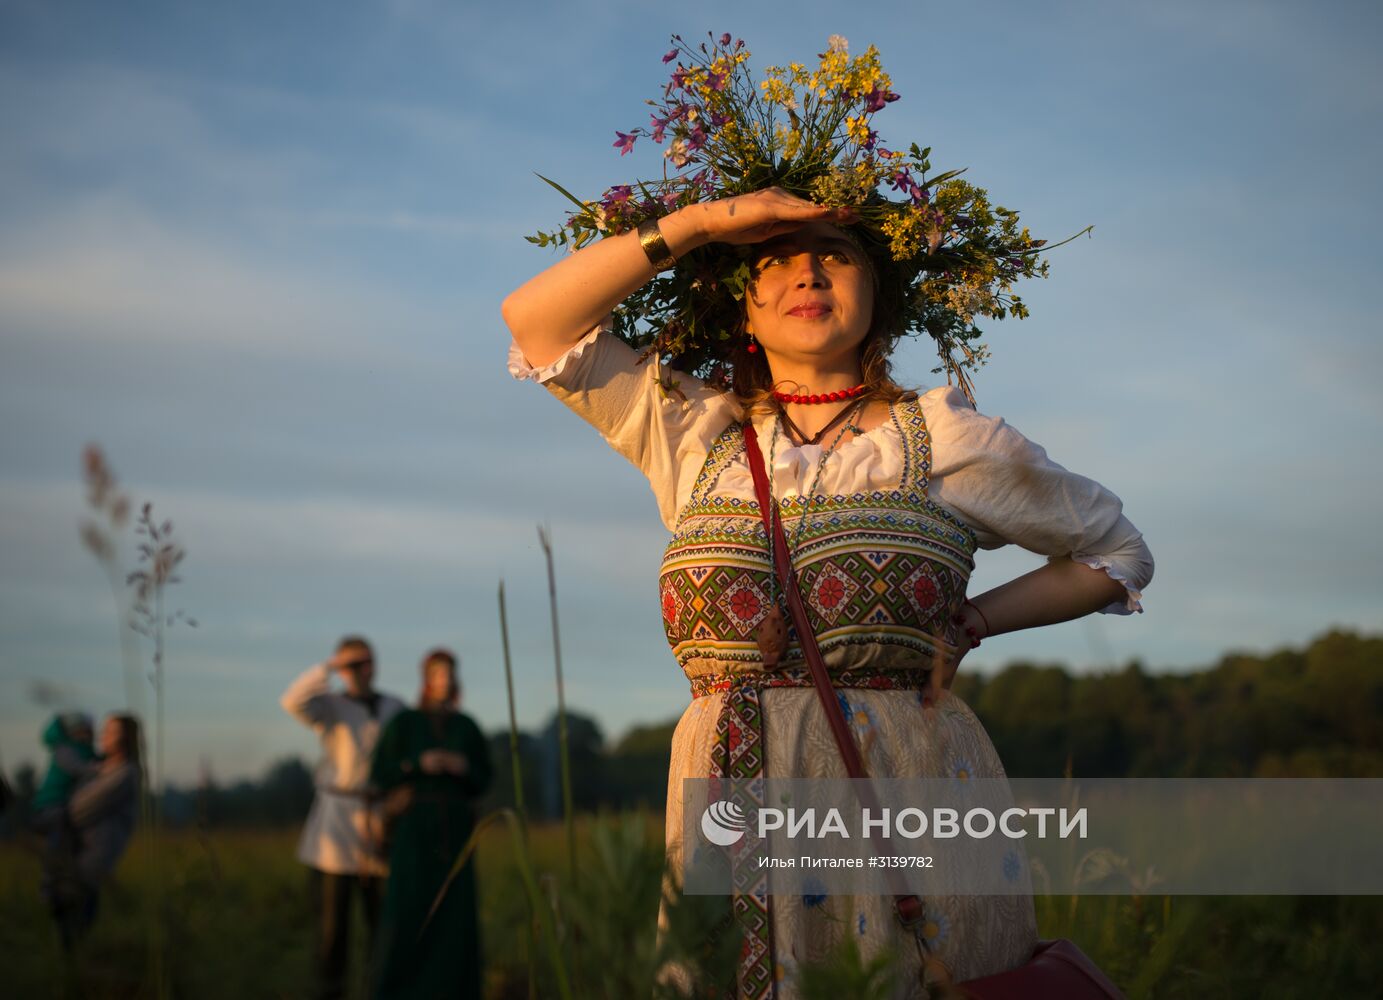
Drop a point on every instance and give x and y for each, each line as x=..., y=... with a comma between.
x=664, y=432
x=1006, y=488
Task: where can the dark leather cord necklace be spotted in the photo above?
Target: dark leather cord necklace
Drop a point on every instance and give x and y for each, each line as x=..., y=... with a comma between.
x=799, y=438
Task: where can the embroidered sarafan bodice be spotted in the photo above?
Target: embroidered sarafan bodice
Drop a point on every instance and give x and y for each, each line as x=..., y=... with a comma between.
x=880, y=572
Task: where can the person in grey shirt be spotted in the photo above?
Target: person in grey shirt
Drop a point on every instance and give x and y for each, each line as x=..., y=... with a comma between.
x=100, y=815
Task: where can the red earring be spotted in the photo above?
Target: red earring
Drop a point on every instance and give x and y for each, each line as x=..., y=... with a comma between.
x=753, y=347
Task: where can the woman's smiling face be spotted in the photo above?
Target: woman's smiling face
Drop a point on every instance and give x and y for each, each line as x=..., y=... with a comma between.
x=812, y=297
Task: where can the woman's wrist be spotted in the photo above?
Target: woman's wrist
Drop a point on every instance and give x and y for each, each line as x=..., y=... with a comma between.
x=976, y=617
x=684, y=230
x=971, y=625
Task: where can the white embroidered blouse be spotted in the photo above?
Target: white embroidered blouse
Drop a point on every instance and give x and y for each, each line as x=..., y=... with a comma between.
x=983, y=470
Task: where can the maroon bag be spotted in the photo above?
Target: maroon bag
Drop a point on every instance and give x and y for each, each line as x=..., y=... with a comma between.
x=1057, y=970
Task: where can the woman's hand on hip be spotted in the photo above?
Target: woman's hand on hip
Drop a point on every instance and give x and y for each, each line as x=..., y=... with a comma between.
x=944, y=673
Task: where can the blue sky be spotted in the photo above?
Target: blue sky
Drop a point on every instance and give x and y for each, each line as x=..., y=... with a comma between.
x=256, y=251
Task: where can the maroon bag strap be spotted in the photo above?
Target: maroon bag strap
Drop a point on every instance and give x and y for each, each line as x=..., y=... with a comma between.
x=907, y=905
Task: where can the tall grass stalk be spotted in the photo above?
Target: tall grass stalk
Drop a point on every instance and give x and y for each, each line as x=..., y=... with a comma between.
x=568, y=809
x=112, y=506
x=159, y=556
x=516, y=766
x=514, y=763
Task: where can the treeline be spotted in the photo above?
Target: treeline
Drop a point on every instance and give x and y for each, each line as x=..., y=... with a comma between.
x=1312, y=712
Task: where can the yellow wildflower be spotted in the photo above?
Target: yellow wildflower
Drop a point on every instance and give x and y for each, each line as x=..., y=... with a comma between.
x=905, y=232
x=789, y=141
x=857, y=129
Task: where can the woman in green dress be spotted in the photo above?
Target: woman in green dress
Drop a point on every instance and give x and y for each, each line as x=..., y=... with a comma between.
x=430, y=764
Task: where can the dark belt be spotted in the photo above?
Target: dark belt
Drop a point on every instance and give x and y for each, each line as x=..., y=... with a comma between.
x=897, y=679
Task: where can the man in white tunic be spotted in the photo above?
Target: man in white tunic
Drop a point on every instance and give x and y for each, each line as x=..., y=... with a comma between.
x=338, y=841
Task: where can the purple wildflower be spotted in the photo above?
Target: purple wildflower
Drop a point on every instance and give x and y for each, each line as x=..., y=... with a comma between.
x=725, y=39
x=876, y=99
x=659, y=128
x=670, y=199
x=718, y=80
x=624, y=142
x=696, y=138
x=902, y=181
x=618, y=193
x=670, y=56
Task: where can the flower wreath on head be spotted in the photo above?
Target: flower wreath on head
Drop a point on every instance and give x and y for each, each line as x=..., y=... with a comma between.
x=943, y=254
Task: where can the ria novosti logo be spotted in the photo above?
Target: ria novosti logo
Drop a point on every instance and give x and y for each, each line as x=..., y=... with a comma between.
x=723, y=823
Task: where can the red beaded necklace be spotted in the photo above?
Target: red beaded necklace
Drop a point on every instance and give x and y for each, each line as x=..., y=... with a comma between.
x=840, y=395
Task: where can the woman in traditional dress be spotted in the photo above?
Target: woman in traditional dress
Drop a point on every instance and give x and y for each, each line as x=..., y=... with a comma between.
x=949, y=478
x=430, y=765
x=884, y=494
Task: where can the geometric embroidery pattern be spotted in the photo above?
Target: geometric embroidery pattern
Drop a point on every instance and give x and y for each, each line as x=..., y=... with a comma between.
x=672, y=603
x=744, y=605
x=831, y=591
x=924, y=592
x=737, y=774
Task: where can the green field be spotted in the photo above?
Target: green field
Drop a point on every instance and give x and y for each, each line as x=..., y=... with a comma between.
x=238, y=924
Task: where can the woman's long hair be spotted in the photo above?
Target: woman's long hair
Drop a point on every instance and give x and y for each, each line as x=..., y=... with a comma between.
x=131, y=737
x=435, y=659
